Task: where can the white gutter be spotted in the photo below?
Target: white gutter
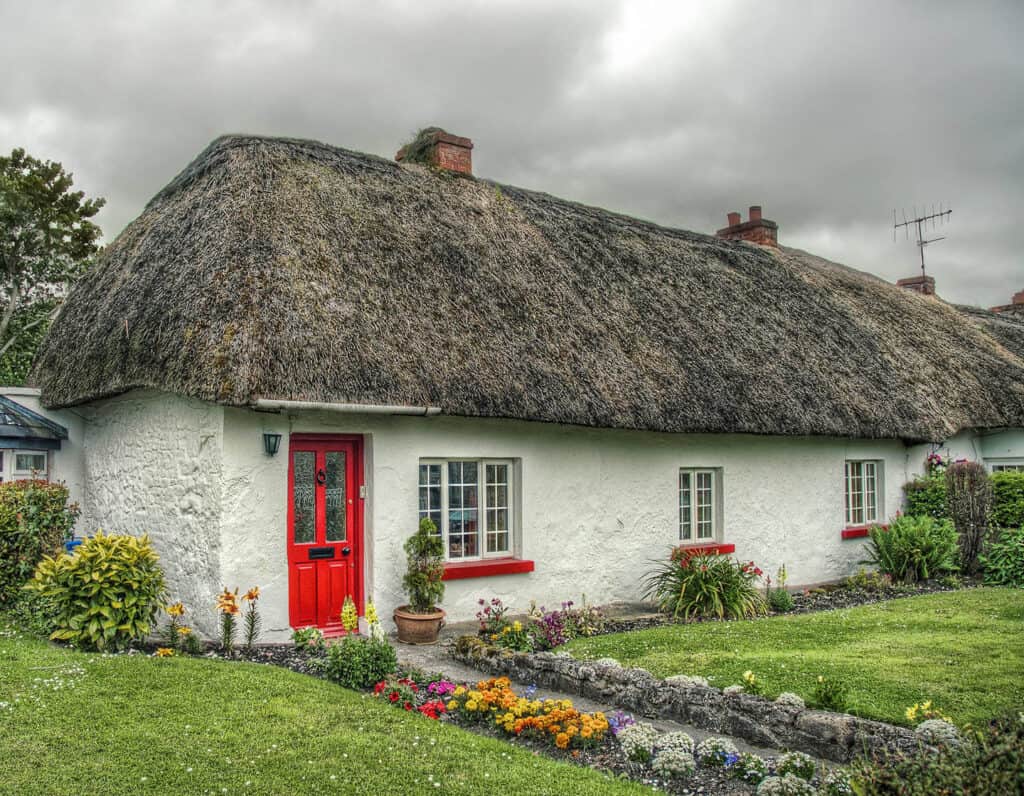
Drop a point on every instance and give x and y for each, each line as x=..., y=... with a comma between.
x=356, y=409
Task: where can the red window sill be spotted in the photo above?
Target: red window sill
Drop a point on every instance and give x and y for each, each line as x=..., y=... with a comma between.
x=711, y=549
x=860, y=531
x=486, y=568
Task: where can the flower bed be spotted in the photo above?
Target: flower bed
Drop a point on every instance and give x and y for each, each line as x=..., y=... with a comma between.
x=832, y=736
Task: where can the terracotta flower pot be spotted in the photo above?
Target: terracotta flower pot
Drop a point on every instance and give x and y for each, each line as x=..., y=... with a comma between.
x=418, y=628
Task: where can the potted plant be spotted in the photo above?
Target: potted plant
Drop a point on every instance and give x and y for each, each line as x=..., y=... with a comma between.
x=420, y=621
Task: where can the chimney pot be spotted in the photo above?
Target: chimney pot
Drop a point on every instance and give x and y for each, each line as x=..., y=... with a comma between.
x=757, y=230
x=1018, y=298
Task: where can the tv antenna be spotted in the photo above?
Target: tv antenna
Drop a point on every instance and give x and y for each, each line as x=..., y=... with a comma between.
x=921, y=221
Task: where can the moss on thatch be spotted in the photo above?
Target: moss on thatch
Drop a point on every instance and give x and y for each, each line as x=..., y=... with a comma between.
x=420, y=148
x=288, y=269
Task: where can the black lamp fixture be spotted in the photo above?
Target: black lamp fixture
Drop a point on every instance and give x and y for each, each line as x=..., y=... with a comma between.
x=271, y=442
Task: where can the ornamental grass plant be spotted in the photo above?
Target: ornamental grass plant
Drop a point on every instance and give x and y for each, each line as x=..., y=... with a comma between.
x=691, y=585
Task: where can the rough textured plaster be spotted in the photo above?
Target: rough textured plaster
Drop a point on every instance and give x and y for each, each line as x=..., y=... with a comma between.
x=153, y=465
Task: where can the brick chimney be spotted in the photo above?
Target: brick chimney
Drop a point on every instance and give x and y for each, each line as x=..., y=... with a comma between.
x=441, y=150
x=1016, y=305
x=756, y=230
x=925, y=285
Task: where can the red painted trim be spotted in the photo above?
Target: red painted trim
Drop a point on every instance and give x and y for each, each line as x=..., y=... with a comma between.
x=711, y=549
x=482, y=569
x=859, y=531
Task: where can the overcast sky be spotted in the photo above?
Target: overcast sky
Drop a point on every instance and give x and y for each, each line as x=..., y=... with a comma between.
x=830, y=115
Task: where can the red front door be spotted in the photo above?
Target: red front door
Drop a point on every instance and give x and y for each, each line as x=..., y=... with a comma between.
x=325, y=528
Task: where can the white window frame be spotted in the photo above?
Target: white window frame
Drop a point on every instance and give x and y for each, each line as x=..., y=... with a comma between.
x=855, y=515
x=688, y=521
x=482, y=506
x=1004, y=465
x=17, y=474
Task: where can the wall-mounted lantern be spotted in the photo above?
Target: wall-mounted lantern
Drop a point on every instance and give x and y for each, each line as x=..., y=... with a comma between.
x=271, y=442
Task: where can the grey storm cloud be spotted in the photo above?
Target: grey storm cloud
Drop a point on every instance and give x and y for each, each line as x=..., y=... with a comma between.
x=830, y=115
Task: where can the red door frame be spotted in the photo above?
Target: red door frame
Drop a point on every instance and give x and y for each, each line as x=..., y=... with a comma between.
x=298, y=554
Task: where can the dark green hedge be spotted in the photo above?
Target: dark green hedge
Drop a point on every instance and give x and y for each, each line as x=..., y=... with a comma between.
x=1008, y=499
x=35, y=518
x=926, y=497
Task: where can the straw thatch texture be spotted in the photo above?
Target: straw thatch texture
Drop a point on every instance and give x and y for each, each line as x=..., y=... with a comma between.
x=289, y=269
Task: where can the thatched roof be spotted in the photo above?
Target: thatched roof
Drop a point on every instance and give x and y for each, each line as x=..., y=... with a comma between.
x=288, y=269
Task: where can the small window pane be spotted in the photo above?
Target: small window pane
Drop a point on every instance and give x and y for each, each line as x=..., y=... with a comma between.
x=705, y=506
x=430, y=494
x=304, y=496
x=685, y=507
x=498, y=530
x=463, y=507
x=27, y=462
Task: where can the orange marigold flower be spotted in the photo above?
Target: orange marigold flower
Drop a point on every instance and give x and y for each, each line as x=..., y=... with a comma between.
x=561, y=740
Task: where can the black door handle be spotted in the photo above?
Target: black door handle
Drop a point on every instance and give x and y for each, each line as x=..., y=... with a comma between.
x=346, y=550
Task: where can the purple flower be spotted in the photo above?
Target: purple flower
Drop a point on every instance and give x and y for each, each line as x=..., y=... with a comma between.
x=530, y=690
x=731, y=760
x=619, y=720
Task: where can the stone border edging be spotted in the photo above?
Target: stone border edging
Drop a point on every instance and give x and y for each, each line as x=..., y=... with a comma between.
x=838, y=737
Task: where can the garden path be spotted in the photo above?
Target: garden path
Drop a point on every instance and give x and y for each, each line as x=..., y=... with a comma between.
x=436, y=658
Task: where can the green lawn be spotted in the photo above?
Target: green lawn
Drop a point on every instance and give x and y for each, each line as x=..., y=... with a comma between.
x=140, y=725
x=963, y=650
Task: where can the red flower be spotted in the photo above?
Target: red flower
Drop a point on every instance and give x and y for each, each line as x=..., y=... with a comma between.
x=393, y=696
x=758, y=572
x=407, y=706
x=380, y=686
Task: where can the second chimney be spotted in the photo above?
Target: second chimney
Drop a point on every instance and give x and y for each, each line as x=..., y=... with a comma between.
x=436, y=147
x=1016, y=306
x=757, y=230
x=925, y=285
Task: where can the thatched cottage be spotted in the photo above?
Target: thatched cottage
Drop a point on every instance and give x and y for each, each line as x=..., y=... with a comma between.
x=296, y=351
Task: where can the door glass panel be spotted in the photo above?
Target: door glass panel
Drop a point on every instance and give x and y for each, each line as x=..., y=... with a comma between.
x=336, y=502
x=304, y=496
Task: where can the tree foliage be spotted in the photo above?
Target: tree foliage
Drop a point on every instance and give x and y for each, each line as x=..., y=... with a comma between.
x=46, y=242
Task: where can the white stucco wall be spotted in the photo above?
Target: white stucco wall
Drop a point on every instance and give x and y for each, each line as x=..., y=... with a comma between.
x=67, y=464
x=153, y=465
x=596, y=505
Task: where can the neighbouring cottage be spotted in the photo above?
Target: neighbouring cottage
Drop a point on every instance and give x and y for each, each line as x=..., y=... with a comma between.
x=296, y=351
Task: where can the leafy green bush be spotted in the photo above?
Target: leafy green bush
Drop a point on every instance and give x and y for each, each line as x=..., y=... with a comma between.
x=697, y=584
x=991, y=764
x=35, y=519
x=969, y=495
x=1003, y=560
x=780, y=601
x=424, y=552
x=926, y=497
x=106, y=594
x=1008, y=499
x=913, y=548
x=830, y=694
x=359, y=663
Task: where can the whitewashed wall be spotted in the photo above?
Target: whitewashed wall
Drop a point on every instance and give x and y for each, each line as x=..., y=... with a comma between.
x=67, y=464
x=597, y=506
x=153, y=465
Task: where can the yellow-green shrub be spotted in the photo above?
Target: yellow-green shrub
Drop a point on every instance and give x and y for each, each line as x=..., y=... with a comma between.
x=105, y=594
x=35, y=518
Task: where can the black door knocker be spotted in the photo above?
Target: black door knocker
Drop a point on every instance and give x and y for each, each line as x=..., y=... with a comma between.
x=321, y=476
